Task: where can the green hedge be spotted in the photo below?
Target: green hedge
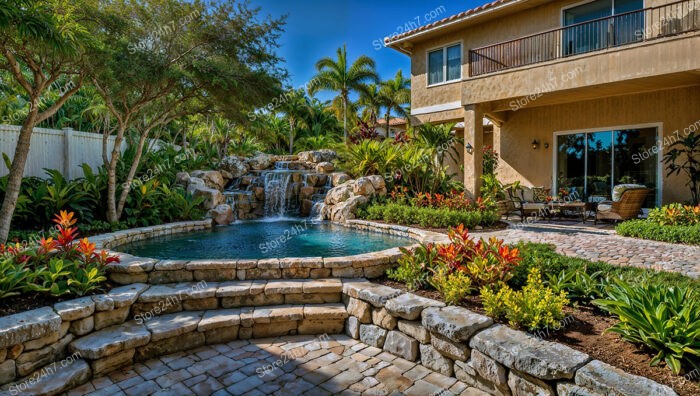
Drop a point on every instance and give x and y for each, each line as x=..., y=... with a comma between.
x=427, y=217
x=545, y=257
x=646, y=229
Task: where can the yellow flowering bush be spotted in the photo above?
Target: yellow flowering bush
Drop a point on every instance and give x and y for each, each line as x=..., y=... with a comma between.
x=533, y=307
x=454, y=286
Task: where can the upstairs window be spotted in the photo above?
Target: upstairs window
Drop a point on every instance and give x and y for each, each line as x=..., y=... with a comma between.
x=445, y=64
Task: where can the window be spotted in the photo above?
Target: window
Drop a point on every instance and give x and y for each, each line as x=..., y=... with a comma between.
x=445, y=64
x=602, y=24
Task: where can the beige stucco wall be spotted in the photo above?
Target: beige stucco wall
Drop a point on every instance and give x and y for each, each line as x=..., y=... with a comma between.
x=609, y=66
x=675, y=109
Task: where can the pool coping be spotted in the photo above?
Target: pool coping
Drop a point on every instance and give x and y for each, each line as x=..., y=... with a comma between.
x=134, y=269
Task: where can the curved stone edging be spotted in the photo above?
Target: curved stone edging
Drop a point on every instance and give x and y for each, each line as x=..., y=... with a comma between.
x=451, y=340
x=134, y=269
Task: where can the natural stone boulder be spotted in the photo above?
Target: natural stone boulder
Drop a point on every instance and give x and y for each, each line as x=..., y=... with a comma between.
x=415, y=330
x=75, y=309
x=235, y=166
x=607, y=380
x=401, y=345
x=339, y=178
x=222, y=214
x=212, y=179
x=212, y=197
x=489, y=369
x=360, y=309
x=345, y=210
x=195, y=184
x=449, y=348
x=455, y=323
x=317, y=156
x=520, y=386
x=363, y=186
x=261, y=161
x=325, y=167
x=382, y=318
x=517, y=350
x=59, y=380
x=432, y=359
x=372, y=335
x=111, y=340
x=18, y=328
x=409, y=306
x=352, y=327
x=339, y=194
x=182, y=178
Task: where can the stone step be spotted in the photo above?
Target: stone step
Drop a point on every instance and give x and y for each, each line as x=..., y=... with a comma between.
x=191, y=296
x=52, y=379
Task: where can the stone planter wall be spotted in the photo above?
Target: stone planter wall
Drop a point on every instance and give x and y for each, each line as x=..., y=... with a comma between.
x=134, y=269
x=470, y=347
x=101, y=333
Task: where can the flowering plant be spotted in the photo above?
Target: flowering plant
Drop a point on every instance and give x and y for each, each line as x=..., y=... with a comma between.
x=55, y=266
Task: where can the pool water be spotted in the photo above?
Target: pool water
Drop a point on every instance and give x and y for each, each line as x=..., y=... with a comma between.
x=265, y=239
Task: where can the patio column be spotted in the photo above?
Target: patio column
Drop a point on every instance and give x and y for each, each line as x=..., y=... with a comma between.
x=474, y=136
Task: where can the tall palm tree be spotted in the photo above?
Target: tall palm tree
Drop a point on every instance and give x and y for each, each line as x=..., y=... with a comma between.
x=371, y=102
x=340, y=76
x=294, y=107
x=395, y=95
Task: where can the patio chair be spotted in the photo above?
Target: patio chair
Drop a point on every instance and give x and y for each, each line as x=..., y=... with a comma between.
x=528, y=200
x=627, y=207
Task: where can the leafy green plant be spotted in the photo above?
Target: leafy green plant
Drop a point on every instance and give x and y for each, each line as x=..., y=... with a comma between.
x=428, y=217
x=664, y=318
x=85, y=280
x=578, y=285
x=454, y=286
x=675, y=214
x=413, y=266
x=52, y=278
x=683, y=156
x=534, y=307
x=14, y=277
x=646, y=229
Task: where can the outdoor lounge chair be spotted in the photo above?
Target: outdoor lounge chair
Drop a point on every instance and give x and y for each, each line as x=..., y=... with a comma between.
x=528, y=200
x=628, y=206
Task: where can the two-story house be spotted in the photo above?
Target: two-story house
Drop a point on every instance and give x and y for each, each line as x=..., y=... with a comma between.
x=581, y=95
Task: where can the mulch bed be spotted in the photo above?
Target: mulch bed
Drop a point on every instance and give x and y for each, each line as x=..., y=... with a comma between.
x=585, y=334
x=34, y=300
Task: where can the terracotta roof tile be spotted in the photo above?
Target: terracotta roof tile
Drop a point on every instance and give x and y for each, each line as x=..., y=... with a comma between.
x=472, y=11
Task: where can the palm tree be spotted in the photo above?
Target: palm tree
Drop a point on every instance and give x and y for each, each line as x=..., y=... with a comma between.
x=294, y=107
x=338, y=76
x=395, y=95
x=371, y=102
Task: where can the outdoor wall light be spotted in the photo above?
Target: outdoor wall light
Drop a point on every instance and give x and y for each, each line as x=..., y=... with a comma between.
x=546, y=145
x=535, y=144
x=469, y=148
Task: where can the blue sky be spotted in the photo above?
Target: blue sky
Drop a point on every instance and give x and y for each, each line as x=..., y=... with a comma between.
x=316, y=28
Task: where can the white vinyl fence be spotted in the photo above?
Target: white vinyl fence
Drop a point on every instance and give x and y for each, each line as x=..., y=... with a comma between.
x=65, y=150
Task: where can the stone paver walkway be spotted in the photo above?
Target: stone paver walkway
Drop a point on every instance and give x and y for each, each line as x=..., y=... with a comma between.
x=289, y=365
x=602, y=243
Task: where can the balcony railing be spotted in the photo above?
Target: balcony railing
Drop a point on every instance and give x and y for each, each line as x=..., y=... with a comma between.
x=614, y=31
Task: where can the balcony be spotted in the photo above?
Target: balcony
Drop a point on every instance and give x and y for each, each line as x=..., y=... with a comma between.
x=596, y=35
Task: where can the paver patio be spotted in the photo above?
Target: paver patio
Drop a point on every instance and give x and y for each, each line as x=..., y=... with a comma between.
x=339, y=365
x=601, y=243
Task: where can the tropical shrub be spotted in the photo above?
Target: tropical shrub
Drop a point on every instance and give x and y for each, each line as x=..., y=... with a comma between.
x=534, y=307
x=413, y=267
x=64, y=265
x=676, y=214
x=457, y=268
x=664, y=318
x=427, y=217
x=578, y=285
x=454, y=286
x=646, y=229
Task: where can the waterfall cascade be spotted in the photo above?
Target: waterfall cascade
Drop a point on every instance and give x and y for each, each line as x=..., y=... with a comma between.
x=284, y=190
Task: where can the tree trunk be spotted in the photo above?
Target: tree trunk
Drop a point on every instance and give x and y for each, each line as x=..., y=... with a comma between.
x=291, y=136
x=388, y=129
x=112, y=215
x=130, y=176
x=345, y=120
x=14, y=181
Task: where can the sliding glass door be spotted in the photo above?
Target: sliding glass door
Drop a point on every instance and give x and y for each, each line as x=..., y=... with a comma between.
x=590, y=164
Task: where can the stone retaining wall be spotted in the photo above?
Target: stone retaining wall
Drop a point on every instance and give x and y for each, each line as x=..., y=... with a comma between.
x=470, y=347
x=134, y=269
x=96, y=334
